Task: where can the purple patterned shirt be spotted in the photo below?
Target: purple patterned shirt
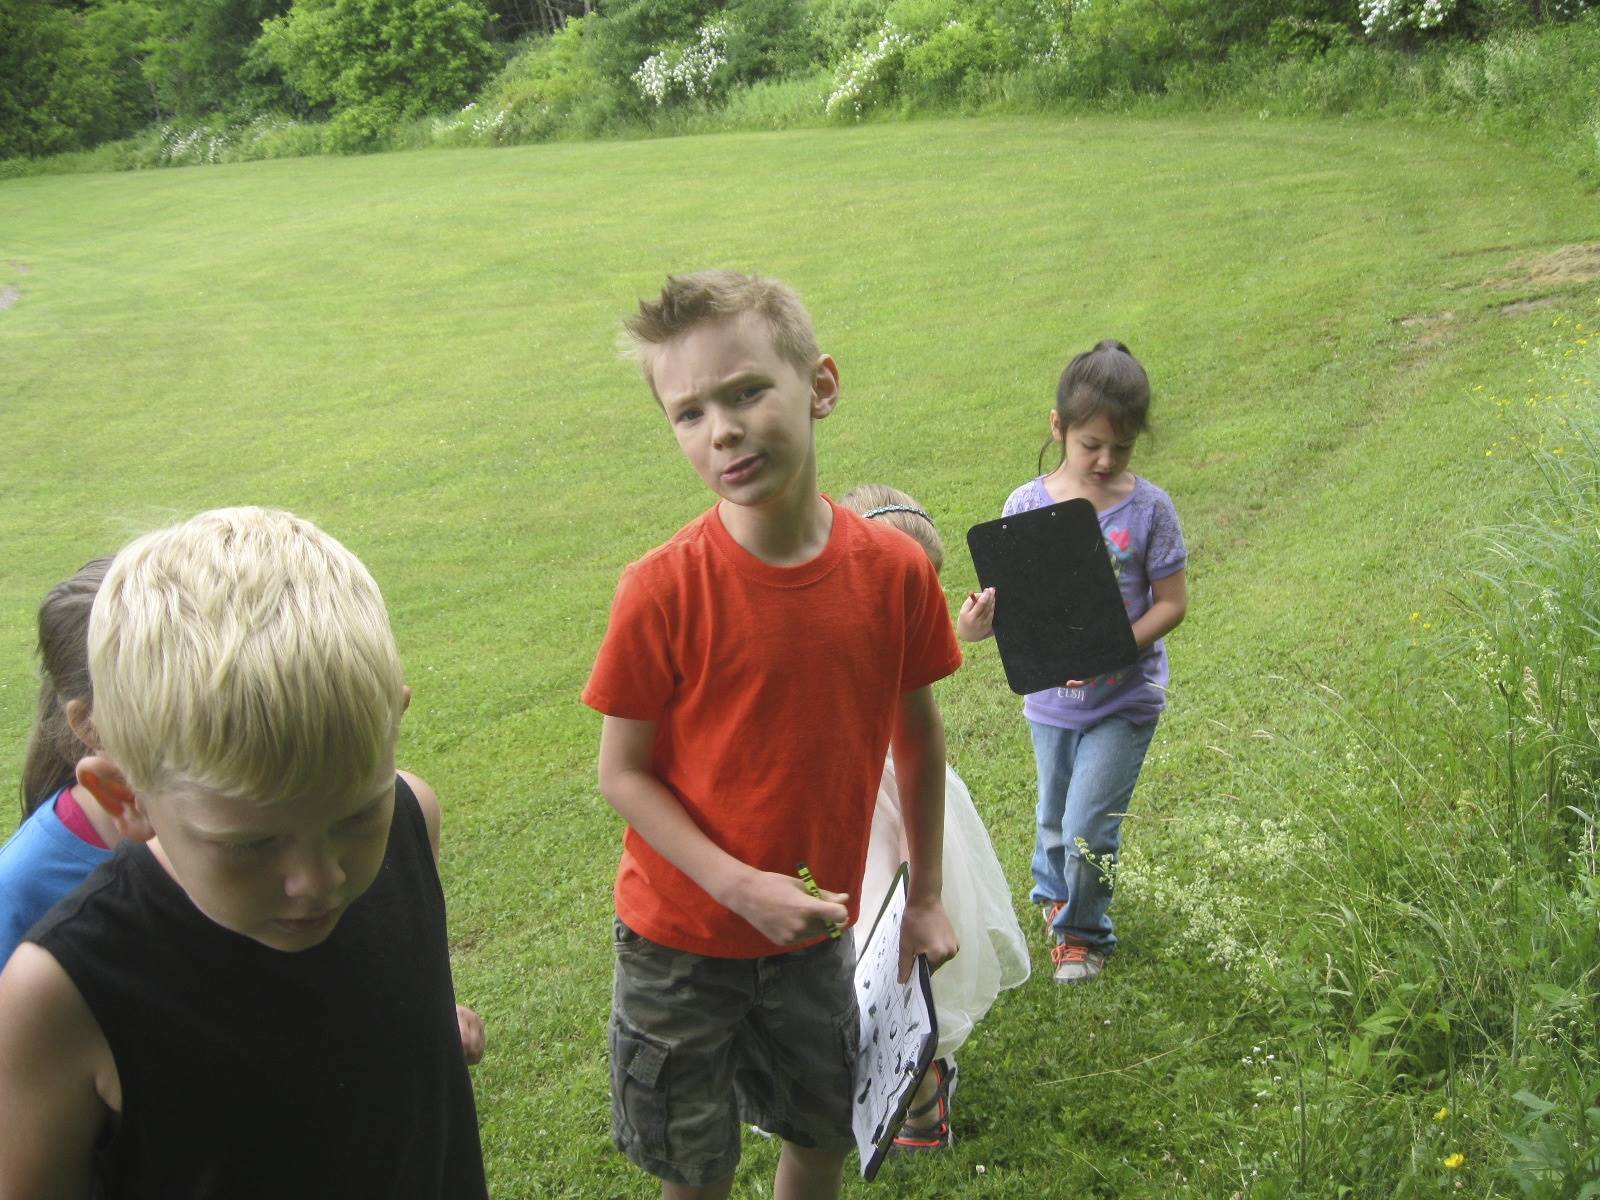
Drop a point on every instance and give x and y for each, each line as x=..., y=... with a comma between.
x=1145, y=544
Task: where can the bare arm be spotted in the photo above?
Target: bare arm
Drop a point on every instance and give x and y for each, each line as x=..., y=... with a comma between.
x=975, y=621
x=57, y=1081
x=918, y=749
x=1169, y=603
x=777, y=905
x=468, y=1023
x=428, y=802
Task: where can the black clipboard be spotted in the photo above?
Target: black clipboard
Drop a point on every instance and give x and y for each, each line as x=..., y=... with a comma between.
x=1058, y=612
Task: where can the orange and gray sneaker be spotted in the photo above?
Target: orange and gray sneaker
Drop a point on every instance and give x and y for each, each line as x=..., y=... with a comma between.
x=1075, y=962
x=1050, y=909
x=914, y=1135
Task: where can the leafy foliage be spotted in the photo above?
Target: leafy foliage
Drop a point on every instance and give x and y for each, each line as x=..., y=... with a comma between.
x=372, y=63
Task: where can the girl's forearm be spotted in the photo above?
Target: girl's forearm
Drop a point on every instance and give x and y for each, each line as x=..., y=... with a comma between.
x=1161, y=619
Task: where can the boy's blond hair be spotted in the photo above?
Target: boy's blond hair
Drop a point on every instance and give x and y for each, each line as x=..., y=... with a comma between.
x=880, y=502
x=247, y=653
x=691, y=300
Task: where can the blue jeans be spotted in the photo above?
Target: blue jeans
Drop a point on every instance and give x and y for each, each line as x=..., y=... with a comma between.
x=1086, y=779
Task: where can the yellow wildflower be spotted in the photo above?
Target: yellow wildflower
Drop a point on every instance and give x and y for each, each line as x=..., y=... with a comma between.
x=1453, y=1162
x=1441, y=1114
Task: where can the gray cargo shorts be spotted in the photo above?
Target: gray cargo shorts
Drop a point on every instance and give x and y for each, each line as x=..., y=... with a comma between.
x=701, y=1045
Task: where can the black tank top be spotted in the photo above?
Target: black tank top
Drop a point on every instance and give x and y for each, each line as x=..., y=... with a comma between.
x=248, y=1072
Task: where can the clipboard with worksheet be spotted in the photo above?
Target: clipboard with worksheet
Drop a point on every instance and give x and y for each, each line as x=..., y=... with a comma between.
x=898, y=1030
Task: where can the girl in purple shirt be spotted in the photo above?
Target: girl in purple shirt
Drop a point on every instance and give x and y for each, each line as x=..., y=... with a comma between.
x=1090, y=735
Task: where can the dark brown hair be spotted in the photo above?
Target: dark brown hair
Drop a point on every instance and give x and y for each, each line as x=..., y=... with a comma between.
x=1106, y=381
x=53, y=749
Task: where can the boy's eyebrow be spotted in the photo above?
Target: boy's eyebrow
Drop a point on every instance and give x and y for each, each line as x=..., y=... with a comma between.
x=726, y=384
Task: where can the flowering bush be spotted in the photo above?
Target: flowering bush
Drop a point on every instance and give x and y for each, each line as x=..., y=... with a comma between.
x=1395, y=16
x=1399, y=17
x=684, y=69
x=869, y=74
x=941, y=45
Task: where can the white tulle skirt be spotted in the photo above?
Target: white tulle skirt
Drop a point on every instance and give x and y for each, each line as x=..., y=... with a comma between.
x=993, y=955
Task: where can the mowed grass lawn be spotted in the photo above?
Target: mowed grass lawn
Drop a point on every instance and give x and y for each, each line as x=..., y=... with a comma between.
x=418, y=352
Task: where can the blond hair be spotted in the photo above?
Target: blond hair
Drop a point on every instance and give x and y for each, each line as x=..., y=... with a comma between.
x=245, y=653
x=688, y=301
x=879, y=501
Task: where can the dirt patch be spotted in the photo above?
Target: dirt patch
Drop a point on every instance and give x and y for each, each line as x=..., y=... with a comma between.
x=1427, y=320
x=18, y=268
x=1517, y=307
x=8, y=296
x=1426, y=328
x=1570, y=264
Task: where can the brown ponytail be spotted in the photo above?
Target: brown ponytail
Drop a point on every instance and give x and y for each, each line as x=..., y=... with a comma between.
x=53, y=749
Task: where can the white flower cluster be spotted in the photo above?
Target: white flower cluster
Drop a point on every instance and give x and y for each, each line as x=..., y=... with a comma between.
x=687, y=69
x=861, y=71
x=1392, y=16
x=1214, y=909
x=191, y=146
x=470, y=126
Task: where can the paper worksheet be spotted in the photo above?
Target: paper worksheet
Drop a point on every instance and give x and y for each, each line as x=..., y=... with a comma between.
x=898, y=1031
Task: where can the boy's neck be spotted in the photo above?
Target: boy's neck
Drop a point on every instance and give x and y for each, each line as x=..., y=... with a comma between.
x=780, y=533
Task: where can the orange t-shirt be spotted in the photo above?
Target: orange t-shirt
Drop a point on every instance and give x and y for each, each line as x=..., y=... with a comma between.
x=774, y=691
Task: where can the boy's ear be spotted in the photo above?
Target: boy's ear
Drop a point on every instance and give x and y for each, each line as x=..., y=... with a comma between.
x=824, y=387
x=111, y=791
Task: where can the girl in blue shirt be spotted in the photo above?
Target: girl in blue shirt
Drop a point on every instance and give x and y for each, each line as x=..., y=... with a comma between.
x=65, y=834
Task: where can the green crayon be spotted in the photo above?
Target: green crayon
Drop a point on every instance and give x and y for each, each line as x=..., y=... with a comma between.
x=814, y=892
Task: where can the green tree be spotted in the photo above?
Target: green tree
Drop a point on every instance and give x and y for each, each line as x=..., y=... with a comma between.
x=70, y=78
x=197, y=48
x=371, y=63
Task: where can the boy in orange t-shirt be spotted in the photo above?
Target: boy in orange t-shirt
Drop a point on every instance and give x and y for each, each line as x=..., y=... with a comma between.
x=755, y=669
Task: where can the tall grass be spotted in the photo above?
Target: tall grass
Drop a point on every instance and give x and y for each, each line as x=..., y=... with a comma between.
x=1431, y=1021
x=1442, y=1001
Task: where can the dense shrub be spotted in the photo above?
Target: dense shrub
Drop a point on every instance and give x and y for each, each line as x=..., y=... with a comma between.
x=548, y=88
x=50, y=98
x=842, y=27
x=195, y=49
x=372, y=63
x=937, y=49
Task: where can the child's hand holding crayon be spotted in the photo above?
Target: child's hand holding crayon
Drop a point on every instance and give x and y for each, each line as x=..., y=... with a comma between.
x=782, y=909
x=976, y=619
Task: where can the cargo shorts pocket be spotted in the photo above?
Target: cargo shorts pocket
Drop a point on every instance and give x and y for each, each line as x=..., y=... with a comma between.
x=638, y=1089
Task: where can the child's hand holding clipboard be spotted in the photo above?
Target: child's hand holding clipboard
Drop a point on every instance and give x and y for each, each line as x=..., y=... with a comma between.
x=1057, y=612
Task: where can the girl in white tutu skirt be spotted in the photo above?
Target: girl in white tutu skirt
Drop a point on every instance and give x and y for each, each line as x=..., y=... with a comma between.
x=993, y=955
